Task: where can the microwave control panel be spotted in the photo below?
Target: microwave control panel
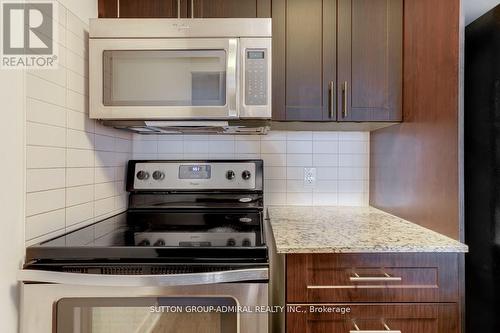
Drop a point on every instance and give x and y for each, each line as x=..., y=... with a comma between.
x=256, y=76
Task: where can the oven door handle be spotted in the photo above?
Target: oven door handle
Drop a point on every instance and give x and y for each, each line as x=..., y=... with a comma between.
x=80, y=279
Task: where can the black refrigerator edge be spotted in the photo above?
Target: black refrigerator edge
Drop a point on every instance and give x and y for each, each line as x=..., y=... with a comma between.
x=482, y=173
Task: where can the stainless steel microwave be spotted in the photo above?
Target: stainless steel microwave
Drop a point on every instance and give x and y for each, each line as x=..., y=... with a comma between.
x=180, y=69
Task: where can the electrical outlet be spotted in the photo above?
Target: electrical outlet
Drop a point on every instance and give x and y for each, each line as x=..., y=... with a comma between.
x=309, y=176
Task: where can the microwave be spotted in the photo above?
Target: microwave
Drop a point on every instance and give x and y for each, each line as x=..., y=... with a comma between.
x=180, y=71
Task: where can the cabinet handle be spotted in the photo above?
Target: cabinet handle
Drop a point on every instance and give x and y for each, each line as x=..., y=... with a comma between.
x=385, y=278
x=331, y=99
x=385, y=330
x=344, y=99
x=192, y=8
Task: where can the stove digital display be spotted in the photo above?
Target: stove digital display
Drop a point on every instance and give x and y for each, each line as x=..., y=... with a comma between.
x=195, y=172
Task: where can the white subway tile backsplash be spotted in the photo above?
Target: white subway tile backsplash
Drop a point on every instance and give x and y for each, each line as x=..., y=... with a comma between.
x=353, y=160
x=75, y=166
x=295, y=173
x=275, y=185
x=275, y=198
x=104, y=190
x=273, y=147
x=104, y=174
x=326, y=147
x=43, y=90
x=79, y=195
x=79, y=139
x=104, y=206
x=76, y=101
x=221, y=147
x=45, y=179
x=275, y=172
x=45, y=201
x=79, y=158
x=299, y=147
x=45, y=223
x=104, y=143
x=299, y=135
x=274, y=159
x=325, y=199
x=79, y=176
x=247, y=147
x=297, y=186
x=325, y=136
x=299, y=199
x=353, y=147
x=325, y=160
x=296, y=160
x=351, y=199
x=285, y=155
x=45, y=157
x=42, y=112
x=354, y=136
x=168, y=147
x=79, y=121
x=45, y=135
x=79, y=213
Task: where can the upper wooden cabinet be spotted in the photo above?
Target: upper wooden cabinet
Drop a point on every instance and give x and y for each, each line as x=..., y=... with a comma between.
x=231, y=8
x=337, y=60
x=304, y=57
x=370, y=60
x=141, y=9
x=184, y=8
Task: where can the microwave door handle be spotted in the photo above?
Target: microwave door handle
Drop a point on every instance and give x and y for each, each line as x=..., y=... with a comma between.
x=232, y=78
x=104, y=280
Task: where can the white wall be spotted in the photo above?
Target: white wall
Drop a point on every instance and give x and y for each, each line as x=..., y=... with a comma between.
x=341, y=160
x=12, y=194
x=475, y=8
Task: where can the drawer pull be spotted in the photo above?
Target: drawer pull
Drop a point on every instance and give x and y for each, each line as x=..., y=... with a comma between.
x=385, y=278
x=385, y=330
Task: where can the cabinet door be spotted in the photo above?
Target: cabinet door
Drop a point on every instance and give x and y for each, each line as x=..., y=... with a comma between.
x=370, y=37
x=230, y=8
x=142, y=9
x=304, y=56
x=405, y=318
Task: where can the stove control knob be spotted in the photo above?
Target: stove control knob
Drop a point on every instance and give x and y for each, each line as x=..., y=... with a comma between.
x=160, y=242
x=144, y=242
x=230, y=174
x=246, y=242
x=142, y=175
x=158, y=175
x=231, y=242
x=246, y=175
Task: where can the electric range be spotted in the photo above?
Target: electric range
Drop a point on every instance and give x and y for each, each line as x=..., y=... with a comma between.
x=183, y=217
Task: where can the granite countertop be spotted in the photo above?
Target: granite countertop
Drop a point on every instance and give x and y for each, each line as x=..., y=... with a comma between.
x=305, y=229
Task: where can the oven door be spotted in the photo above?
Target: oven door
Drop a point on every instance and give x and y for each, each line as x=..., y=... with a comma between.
x=163, y=79
x=143, y=304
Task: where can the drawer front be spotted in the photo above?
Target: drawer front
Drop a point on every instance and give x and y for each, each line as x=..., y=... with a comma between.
x=315, y=278
x=388, y=318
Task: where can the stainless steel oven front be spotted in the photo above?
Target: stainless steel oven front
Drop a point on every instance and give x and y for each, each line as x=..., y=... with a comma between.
x=163, y=69
x=217, y=302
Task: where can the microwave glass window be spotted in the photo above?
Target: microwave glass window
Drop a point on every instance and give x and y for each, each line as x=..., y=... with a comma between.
x=164, y=78
x=151, y=315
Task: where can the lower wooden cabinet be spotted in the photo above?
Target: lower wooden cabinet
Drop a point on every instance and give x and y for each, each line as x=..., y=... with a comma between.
x=373, y=293
x=389, y=317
